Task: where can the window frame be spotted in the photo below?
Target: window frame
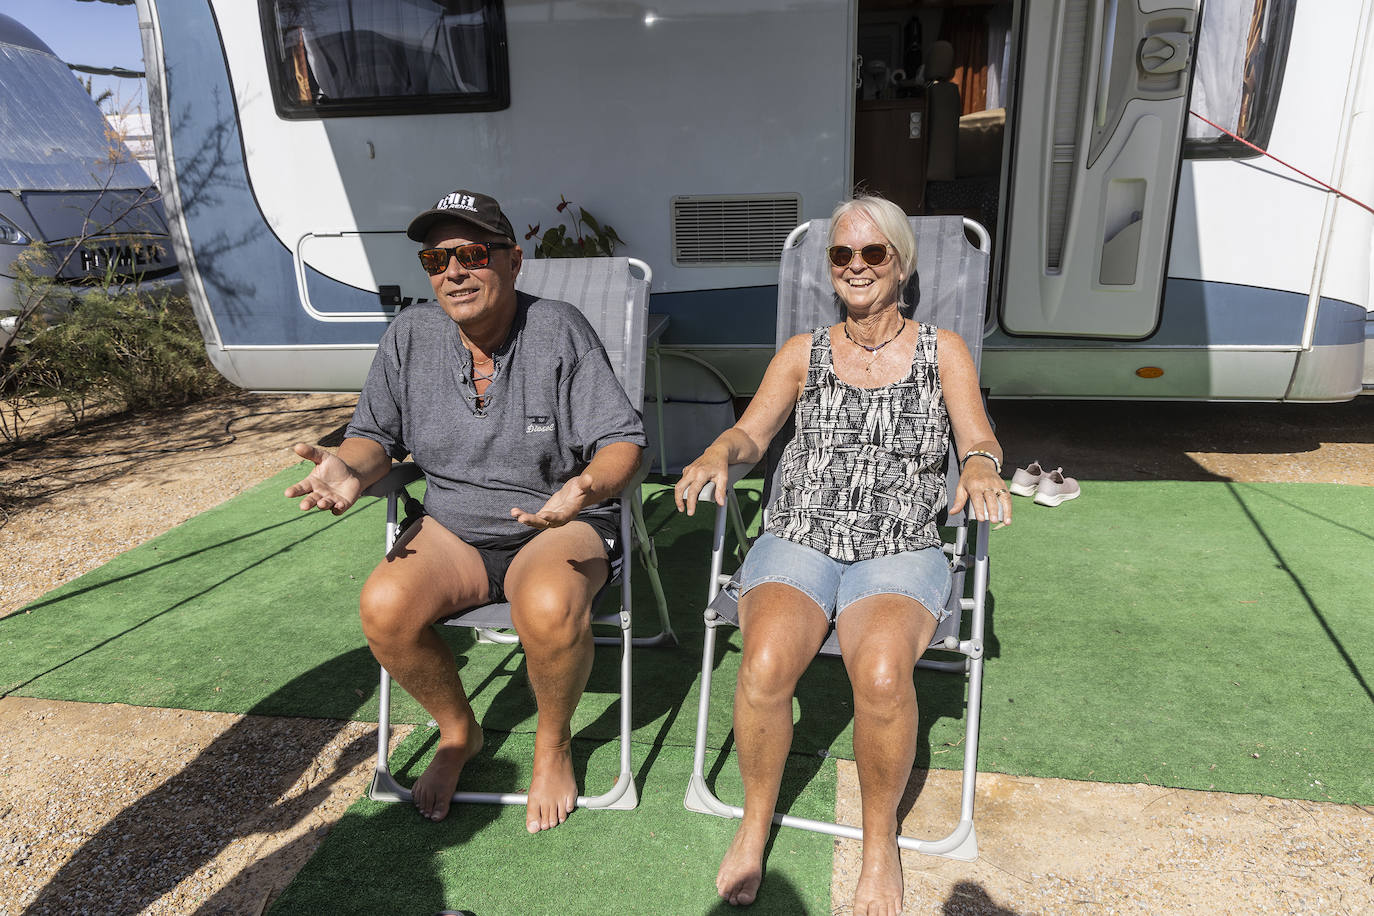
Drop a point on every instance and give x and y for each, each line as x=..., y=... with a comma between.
x=495, y=99
x=1266, y=99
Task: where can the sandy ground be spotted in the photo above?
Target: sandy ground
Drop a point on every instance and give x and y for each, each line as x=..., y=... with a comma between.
x=1059, y=846
x=82, y=786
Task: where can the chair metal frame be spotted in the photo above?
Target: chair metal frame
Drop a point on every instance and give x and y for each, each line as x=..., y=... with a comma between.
x=967, y=553
x=492, y=622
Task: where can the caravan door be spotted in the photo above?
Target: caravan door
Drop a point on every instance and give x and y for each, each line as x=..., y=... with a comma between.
x=1101, y=111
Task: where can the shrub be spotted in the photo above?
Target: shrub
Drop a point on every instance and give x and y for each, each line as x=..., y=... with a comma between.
x=109, y=347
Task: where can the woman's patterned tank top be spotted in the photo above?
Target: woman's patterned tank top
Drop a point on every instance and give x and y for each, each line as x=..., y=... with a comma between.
x=862, y=478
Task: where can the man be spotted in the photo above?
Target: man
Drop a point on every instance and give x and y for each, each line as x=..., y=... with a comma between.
x=506, y=402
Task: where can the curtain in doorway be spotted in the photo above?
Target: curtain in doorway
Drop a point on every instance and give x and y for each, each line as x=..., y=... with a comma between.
x=966, y=29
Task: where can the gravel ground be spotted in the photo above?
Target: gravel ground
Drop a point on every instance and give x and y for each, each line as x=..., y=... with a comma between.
x=1059, y=846
x=118, y=809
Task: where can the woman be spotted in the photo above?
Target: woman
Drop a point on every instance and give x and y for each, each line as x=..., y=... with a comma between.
x=852, y=536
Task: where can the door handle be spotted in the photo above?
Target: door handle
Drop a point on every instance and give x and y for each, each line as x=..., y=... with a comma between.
x=1166, y=52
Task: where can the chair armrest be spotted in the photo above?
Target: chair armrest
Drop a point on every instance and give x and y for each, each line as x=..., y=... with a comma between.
x=737, y=473
x=401, y=473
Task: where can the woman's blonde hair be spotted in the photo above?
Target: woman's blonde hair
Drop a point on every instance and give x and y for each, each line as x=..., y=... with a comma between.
x=891, y=222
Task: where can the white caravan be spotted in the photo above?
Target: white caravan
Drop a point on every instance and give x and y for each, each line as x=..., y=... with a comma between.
x=1138, y=251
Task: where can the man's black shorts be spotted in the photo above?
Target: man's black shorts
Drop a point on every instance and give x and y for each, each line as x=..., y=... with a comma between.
x=498, y=556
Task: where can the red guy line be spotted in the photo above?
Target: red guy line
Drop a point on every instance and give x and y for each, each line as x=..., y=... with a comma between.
x=1265, y=152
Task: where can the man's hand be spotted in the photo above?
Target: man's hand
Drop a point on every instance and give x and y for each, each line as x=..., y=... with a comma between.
x=562, y=506
x=332, y=485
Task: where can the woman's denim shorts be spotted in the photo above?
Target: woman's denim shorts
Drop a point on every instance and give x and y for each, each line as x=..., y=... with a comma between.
x=922, y=575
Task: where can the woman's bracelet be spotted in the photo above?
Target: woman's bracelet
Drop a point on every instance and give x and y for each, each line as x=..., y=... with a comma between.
x=997, y=463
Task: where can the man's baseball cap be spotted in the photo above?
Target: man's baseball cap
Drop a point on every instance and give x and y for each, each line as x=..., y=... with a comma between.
x=470, y=207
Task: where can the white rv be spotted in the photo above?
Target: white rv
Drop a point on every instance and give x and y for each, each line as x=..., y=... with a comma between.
x=1138, y=252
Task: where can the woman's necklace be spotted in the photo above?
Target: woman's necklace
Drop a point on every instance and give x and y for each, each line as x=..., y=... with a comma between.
x=873, y=351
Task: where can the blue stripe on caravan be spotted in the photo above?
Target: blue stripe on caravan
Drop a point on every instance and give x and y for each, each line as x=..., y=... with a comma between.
x=1195, y=313
x=248, y=274
x=1339, y=322
x=1199, y=313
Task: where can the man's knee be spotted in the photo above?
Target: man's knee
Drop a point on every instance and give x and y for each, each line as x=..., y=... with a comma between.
x=389, y=610
x=544, y=612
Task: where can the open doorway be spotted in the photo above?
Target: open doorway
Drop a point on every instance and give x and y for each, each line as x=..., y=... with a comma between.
x=931, y=87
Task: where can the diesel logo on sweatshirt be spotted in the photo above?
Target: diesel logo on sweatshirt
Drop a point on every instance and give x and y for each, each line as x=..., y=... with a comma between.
x=539, y=424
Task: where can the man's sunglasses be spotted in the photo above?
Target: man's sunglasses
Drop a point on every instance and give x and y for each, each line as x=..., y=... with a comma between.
x=874, y=255
x=471, y=257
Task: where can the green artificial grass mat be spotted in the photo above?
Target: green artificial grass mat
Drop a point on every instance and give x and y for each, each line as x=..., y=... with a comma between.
x=658, y=858
x=1197, y=635
x=1191, y=634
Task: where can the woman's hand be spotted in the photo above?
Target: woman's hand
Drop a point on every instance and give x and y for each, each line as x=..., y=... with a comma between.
x=711, y=467
x=984, y=492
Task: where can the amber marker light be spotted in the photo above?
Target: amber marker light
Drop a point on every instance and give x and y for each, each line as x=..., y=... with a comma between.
x=1149, y=372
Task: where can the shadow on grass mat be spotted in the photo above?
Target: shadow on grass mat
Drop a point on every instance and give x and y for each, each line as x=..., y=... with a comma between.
x=659, y=858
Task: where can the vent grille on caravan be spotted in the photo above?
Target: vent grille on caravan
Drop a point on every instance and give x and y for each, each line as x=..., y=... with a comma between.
x=733, y=229
x=1068, y=123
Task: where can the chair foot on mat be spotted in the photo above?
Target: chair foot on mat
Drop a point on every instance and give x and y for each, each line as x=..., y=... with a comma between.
x=625, y=801
x=385, y=788
x=702, y=800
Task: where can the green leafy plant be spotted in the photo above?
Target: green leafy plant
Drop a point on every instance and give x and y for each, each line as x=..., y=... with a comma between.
x=588, y=238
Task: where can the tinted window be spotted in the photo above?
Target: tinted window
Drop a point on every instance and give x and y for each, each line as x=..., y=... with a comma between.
x=353, y=57
x=1242, y=48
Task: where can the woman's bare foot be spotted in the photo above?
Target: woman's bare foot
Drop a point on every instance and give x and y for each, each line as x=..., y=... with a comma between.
x=553, y=788
x=741, y=871
x=879, y=892
x=433, y=791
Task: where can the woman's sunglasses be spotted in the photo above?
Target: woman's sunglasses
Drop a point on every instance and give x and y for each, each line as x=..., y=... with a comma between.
x=471, y=257
x=874, y=255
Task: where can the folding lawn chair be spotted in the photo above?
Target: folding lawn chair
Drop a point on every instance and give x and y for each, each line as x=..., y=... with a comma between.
x=948, y=292
x=616, y=303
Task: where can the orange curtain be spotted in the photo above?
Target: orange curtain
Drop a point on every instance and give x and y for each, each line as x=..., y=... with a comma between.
x=1254, y=64
x=967, y=30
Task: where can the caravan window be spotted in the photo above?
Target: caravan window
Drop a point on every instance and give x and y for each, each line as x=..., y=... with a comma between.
x=359, y=57
x=1242, y=48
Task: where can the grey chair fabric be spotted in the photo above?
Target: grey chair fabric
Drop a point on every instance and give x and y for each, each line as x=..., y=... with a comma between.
x=614, y=301
x=948, y=290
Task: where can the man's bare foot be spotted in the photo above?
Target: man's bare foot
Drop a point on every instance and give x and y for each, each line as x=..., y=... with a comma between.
x=433, y=791
x=553, y=788
x=879, y=892
x=741, y=871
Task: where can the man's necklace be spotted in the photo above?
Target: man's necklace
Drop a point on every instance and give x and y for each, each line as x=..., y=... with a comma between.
x=873, y=351
x=480, y=402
